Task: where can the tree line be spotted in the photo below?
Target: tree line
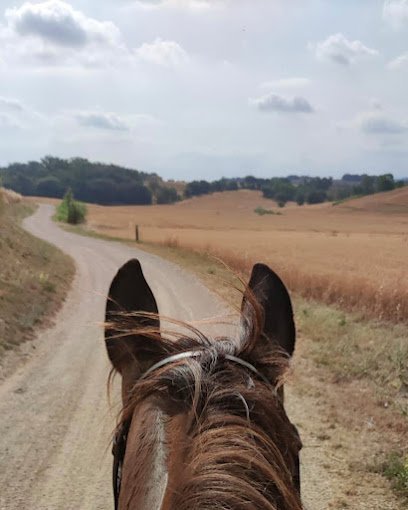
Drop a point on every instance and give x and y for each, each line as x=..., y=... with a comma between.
x=300, y=189
x=90, y=182
x=108, y=184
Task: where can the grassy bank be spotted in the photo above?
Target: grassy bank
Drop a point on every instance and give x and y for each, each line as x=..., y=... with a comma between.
x=34, y=278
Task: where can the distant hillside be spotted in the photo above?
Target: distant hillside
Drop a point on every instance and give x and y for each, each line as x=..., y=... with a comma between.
x=90, y=182
x=391, y=202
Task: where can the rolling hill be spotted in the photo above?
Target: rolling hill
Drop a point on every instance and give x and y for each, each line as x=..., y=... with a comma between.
x=389, y=202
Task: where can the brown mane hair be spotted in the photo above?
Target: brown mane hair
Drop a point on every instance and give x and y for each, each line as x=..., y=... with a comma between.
x=242, y=448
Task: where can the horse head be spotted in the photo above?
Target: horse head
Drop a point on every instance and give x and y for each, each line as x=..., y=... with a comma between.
x=203, y=424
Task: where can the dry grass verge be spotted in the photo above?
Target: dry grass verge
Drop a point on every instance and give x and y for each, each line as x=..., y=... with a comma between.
x=34, y=278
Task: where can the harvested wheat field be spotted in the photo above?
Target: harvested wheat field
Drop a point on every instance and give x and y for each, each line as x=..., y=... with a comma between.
x=353, y=254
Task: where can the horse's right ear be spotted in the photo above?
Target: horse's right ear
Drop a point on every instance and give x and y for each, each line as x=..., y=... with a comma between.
x=129, y=351
x=267, y=312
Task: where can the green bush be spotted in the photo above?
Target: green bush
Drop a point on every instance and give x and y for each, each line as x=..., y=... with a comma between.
x=261, y=211
x=71, y=211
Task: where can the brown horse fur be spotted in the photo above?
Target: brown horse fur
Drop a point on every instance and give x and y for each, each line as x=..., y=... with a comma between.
x=206, y=432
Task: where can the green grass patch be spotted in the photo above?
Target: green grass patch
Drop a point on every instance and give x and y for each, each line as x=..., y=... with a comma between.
x=261, y=211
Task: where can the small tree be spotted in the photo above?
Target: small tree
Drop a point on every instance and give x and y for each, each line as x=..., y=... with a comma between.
x=70, y=211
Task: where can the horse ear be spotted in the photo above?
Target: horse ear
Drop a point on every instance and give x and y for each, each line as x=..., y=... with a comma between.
x=129, y=292
x=267, y=301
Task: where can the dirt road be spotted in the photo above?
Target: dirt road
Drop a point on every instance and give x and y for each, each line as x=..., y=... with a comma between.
x=55, y=421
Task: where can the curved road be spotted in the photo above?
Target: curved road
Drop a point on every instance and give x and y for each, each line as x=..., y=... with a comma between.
x=55, y=421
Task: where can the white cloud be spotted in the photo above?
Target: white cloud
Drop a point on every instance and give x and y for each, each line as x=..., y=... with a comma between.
x=54, y=33
x=274, y=103
x=374, y=123
x=395, y=12
x=109, y=121
x=59, y=23
x=399, y=62
x=287, y=83
x=102, y=120
x=341, y=50
x=166, y=53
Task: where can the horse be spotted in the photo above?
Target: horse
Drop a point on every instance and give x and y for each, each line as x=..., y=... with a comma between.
x=203, y=424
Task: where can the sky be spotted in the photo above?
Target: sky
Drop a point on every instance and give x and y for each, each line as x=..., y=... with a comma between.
x=207, y=88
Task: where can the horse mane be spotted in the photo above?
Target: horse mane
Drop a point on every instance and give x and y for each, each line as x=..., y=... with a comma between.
x=241, y=446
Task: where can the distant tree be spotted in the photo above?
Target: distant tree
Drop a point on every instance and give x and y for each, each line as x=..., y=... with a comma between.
x=197, y=188
x=268, y=192
x=224, y=184
x=49, y=187
x=280, y=190
x=23, y=184
x=166, y=195
x=300, y=198
x=53, y=165
x=355, y=190
x=105, y=191
x=316, y=197
x=320, y=183
x=352, y=178
x=367, y=184
x=281, y=197
x=134, y=194
x=340, y=192
x=385, y=182
x=250, y=182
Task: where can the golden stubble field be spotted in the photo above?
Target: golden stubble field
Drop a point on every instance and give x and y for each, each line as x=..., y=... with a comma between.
x=353, y=254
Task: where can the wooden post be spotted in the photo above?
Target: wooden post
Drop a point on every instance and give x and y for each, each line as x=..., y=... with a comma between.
x=137, y=233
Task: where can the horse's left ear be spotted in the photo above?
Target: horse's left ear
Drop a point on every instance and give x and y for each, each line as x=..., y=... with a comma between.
x=277, y=328
x=130, y=352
